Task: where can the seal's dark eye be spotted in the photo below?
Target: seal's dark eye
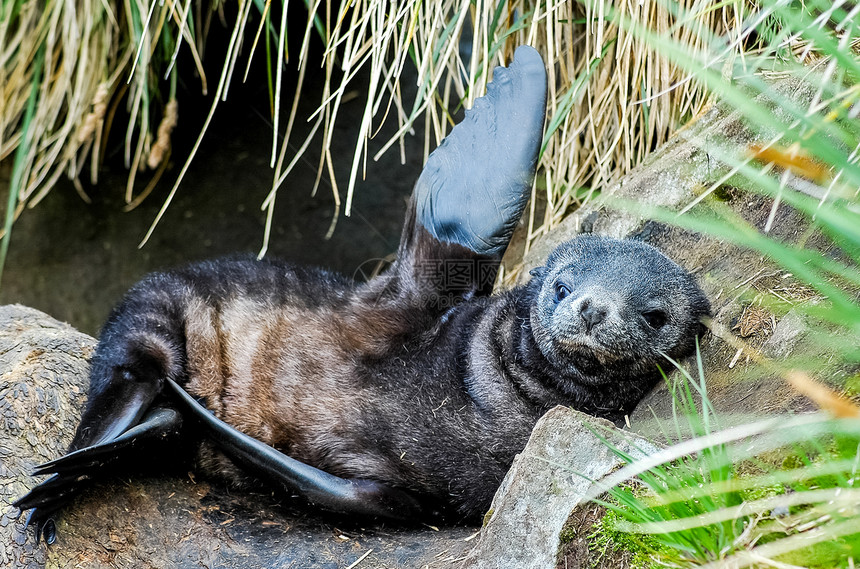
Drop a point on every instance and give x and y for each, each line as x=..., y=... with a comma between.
x=655, y=318
x=562, y=291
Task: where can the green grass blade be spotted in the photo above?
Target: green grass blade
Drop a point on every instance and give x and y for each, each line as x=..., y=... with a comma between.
x=18, y=167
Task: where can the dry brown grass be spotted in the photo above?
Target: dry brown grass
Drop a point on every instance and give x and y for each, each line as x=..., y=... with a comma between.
x=611, y=98
x=75, y=64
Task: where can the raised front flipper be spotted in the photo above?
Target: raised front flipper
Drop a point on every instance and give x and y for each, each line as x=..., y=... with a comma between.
x=78, y=469
x=347, y=496
x=475, y=185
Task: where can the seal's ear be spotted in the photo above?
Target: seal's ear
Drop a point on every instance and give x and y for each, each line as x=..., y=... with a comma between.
x=539, y=272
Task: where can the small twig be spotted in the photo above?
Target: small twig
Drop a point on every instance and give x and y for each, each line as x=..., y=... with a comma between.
x=736, y=358
x=360, y=559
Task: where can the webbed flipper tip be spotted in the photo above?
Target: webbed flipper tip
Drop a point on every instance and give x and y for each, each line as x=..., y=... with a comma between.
x=71, y=473
x=475, y=185
x=43, y=525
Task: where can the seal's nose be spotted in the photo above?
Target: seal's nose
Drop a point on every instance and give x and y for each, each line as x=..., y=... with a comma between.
x=591, y=312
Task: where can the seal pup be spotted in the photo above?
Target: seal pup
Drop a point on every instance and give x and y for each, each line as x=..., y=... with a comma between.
x=405, y=397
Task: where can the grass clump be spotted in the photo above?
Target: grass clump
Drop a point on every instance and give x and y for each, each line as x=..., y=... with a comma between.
x=721, y=500
x=797, y=87
x=622, y=79
x=65, y=70
x=612, y=97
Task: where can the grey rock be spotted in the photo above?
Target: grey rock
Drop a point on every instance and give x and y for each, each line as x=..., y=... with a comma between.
x=545, y=483
x=41, y=360
x=788, y=332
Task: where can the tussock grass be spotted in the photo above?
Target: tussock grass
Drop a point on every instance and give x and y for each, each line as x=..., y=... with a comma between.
x=78, y=62
x=614, y=93
x=65, y=67
x=612, y=98
x=811, y=161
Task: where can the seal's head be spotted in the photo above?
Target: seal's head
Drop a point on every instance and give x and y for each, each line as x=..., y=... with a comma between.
x=606, y=305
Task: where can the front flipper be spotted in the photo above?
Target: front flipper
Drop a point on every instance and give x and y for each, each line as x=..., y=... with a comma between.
x=78, y=469
x=475, y=185
x=348, y=496
x=472, y=192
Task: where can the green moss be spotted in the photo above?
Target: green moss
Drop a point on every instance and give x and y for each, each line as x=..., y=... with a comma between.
x=832, y=554
x=606, y=539
x=555, y=489
x=852, y=386
x=567, y=534
x=761, y=492
x=792, y=462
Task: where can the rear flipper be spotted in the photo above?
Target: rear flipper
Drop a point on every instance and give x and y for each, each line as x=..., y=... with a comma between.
x=80, y=468
x=139, y=345
x=347, y=496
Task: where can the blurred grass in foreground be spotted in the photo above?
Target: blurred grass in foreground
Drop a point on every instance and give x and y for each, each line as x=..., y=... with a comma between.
x=780, y=492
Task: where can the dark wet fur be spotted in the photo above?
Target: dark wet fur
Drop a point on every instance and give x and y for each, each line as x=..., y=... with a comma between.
x=381, y=380
x=415, y=389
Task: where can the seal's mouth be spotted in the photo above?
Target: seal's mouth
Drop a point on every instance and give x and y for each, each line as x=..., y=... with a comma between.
x=587, y=347
x=585, y=363
x=584, y=356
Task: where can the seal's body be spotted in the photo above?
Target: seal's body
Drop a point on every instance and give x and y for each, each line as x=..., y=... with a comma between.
x=402, y=397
